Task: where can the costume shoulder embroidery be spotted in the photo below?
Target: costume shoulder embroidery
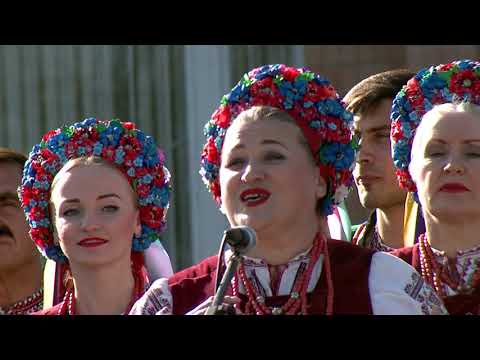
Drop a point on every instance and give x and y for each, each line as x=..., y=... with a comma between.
x=156, y=301
x=420, y=291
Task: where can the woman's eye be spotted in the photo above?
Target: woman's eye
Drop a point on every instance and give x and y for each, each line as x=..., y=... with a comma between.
x=110, y=208
x=234, y=162
x=9, y=203
x=70, y=212
x=473, y=154
x=274, y=156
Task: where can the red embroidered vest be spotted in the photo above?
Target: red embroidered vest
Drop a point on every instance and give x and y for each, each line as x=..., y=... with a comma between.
x=350, y=271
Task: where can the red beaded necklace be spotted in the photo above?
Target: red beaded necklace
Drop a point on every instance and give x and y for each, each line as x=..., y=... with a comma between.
x=432, y=270
x=68, y=305
x=29, y=305
x=297, y=303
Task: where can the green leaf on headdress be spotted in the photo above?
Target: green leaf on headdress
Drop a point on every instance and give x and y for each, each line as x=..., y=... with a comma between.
x=100, y=127
x=43, y=144
x=224, y=100
x=115, y=123
x=445, y=75
x=307, y=75
x=68, y=131
x=246, y=80
x=355, y=142
x=278, y=79
x=477, y=71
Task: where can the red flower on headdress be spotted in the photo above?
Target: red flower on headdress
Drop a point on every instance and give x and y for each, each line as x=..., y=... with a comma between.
x=140, y=172
x=464, y=82
x=312, y=136
x=445, y=67
x=222, y=117
x=143, y=190
x=290, y=73
x=29, y=193
x=108, y=153
x=49, y=134
x=327, y=171
x=215, y=189
x=414, y=94
x=397, y=132
x=211, y=151
x=316, y=92
x=36, y=213
x=151, y=216
x=129, y=125
x=159, y=178
x=405, y=180
x=41, y=236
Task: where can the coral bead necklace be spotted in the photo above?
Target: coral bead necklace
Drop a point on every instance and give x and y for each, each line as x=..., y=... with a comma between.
x=297, y=302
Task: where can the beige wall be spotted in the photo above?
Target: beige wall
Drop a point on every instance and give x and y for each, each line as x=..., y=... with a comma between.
x=346, y=65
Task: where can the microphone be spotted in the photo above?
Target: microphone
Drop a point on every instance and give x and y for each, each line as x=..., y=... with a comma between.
x=241, y=239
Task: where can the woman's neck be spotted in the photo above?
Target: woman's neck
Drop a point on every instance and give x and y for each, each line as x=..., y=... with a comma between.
x=20, y=283
x=450, y=237
x=103, y=290
x=278, y=245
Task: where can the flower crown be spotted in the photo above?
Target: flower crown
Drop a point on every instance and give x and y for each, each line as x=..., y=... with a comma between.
x=317, y=110
x=458, y=81
x=134, y=153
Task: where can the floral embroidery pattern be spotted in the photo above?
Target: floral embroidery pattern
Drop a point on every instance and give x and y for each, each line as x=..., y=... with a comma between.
x=421, y=292
x=156, y=301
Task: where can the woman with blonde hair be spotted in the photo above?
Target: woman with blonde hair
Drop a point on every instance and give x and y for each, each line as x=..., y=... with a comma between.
x=96, y=196
x=436, y=149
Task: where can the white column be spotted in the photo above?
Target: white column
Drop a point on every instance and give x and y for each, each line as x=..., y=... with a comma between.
x=207, y=79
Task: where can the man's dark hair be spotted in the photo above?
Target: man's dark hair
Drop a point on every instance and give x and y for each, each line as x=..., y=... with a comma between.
x=12, y=157
x=368, y=93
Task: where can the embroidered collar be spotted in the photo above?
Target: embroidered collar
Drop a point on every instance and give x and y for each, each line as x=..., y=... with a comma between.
x=257, y=270
x=461, y=268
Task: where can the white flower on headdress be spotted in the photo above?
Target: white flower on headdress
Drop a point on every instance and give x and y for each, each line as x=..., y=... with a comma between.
x=340, y=194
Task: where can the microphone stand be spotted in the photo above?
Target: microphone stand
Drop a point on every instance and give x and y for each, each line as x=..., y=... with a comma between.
x=216, y=308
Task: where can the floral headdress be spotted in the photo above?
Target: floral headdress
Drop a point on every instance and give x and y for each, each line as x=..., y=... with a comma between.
x=317, y=110
x=135, y=155
x=458, y=81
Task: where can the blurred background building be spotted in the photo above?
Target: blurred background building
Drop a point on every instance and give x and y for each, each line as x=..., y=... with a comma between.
x=170, y=92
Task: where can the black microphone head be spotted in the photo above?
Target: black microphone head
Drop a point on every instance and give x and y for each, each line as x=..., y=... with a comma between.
x=241, y=238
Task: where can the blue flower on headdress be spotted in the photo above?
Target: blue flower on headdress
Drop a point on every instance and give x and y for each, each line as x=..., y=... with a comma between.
x=263, y=72
x=97, y=148
x=235, y=94
x=131, y=172
x=330, y=107
x=340, y=155
x=138, y=162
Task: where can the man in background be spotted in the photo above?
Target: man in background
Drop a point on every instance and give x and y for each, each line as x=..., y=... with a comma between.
x=21, y=265
x=371, y=102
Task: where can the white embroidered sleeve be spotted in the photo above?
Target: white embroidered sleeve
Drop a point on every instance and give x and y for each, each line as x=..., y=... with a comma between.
x=157, y=300
x=396, y=288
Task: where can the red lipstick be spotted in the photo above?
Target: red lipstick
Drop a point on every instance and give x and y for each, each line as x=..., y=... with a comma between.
x=92, y=242
x=454, y=188
x=254, y=197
